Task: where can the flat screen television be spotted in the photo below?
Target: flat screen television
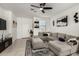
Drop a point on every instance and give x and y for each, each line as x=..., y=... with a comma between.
x=2, y=24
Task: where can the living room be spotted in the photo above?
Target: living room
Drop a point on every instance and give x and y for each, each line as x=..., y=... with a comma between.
x=39, y=29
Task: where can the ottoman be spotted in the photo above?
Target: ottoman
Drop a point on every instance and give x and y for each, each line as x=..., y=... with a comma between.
x=37, y=43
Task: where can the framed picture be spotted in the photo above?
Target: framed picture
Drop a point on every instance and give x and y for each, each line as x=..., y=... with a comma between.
x=62, y=21
x=36, y=24
x=76, y=16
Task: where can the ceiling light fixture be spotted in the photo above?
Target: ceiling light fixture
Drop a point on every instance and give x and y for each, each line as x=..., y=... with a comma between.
x=41, y=8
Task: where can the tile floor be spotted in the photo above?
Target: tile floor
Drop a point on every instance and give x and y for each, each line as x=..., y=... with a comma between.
x=18, y=49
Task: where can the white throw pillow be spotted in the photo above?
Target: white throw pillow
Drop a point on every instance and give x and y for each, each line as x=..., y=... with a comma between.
x=72, y=39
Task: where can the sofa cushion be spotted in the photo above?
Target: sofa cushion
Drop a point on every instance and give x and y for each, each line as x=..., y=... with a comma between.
x=61, y=35
x=60, y=46
x=69, y=37
x=54, y=34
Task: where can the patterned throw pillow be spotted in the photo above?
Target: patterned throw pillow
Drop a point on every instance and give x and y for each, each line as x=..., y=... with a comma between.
x=72, y=41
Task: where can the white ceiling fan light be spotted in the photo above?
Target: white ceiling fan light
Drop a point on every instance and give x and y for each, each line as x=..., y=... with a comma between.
x=41, y=8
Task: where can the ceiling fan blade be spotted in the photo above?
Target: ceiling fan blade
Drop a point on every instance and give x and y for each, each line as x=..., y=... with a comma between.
x=35, y=6
x=43, y=11
x=47, y=8
x=42, y=4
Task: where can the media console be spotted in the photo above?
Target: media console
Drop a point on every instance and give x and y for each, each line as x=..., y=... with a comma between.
x=6, y=43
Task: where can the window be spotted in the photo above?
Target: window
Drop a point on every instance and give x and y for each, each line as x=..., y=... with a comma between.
x=42, y=23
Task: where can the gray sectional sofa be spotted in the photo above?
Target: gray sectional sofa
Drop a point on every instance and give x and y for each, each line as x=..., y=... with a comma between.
x=63, y=48
x=55, y=45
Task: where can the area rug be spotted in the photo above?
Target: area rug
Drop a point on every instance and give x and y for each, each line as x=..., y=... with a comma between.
x=39, y=52
x=42, y=52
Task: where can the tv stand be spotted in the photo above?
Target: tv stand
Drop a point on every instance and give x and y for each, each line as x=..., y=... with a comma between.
x=6, y=43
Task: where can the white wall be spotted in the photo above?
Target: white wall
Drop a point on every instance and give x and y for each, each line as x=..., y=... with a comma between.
x=72, y=28
x=9, y=17
x=5, y=14
x=23, y=27
x=14, y=27
x=21, y=30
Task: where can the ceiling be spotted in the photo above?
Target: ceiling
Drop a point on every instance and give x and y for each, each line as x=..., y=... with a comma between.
x=24, y=9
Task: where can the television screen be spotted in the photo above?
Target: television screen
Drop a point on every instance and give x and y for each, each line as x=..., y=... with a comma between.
x=2, y=24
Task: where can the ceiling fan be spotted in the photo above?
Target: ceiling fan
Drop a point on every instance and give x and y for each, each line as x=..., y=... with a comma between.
x=42, y=7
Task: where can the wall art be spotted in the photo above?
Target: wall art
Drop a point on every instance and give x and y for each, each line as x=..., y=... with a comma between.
x=62, y=21
x=76, y=17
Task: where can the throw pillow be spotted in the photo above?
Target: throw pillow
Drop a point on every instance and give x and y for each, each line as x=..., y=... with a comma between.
x=61, y=39
x=72, y=41
x=45, y=34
